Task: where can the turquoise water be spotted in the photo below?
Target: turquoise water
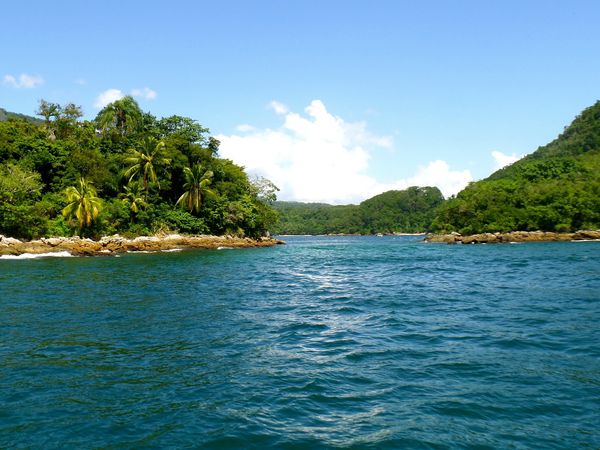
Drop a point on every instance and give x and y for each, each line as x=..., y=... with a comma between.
x=323, y=343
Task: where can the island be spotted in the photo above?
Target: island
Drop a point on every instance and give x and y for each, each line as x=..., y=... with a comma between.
x=124, y=181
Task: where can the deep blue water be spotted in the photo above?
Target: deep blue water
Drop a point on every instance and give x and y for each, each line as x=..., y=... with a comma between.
x=326, y=342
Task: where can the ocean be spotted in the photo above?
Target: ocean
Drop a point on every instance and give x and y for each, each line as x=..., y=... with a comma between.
x=324, y=343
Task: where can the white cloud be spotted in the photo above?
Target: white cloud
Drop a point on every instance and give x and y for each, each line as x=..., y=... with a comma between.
x=146, y=93
x=279, y=108
x=24, y=81
x=244, y=128
x=436, y=173
x=320, y=157
x=501, y=160
x=108, y=96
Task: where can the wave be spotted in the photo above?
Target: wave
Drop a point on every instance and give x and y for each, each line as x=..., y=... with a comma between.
x=63, y=254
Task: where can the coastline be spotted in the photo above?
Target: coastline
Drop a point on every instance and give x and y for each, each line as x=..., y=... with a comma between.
x=110, y=245
x=513, y=236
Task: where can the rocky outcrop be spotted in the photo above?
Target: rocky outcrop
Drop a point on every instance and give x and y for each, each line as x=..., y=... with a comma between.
x=118, y=244
x=513, y=236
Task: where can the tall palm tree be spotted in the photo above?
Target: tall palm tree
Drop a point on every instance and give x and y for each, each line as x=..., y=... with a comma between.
x=123, y=115
x=133, y=197
x=84, y=204
x=144, y=162
x=196, y=186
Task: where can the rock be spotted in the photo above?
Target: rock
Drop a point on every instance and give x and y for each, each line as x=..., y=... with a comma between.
x=587, y=235
x=10, y=241
x=451, y=238
x=513, y=236
x=116, y=244
x=54, y=241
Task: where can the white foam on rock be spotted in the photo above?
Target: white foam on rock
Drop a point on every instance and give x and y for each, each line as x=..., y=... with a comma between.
x=63, y=254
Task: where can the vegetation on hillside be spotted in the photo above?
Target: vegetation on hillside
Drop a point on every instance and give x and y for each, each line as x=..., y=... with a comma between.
x=556, y=188
x=130, y=172
x=5, y=115
x=126, y=171
x=409, y=211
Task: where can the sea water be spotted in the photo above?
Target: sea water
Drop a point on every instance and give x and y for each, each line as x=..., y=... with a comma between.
x=326, y=342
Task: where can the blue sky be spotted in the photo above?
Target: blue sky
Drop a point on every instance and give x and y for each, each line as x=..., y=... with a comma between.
x=333, y=100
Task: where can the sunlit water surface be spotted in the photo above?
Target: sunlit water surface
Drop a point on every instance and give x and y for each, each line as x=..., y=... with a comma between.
x=327, y=342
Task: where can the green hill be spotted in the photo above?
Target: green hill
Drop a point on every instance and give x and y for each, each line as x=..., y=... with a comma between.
x=5, y=115
x=407, y=211
x=556, y=188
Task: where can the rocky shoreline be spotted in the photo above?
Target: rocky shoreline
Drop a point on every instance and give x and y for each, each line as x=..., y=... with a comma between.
x=513, y=236
x=108, y=245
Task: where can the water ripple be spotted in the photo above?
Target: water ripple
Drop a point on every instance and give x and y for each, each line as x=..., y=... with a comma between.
x=333, y=342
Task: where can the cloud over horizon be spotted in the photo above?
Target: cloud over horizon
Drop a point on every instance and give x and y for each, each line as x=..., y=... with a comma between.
x=23, y=81
x=319, y=157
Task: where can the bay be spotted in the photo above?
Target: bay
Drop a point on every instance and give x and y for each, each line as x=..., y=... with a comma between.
x=326, y=342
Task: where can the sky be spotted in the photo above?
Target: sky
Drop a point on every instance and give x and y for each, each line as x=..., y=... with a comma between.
x=334, y=101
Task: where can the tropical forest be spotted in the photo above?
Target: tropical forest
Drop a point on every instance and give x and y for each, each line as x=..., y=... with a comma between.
x=556, y=188
x=129, y=172
x=124, y=172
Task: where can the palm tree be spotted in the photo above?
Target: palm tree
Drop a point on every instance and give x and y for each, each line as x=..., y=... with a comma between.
x=196, y=186
x=84, y=204
x=133, y=197
x=145, y=161
x=123, y=115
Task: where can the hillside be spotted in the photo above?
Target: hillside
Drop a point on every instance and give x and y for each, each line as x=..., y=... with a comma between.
x=407, y=211
x=5, y=115
x=556, y=188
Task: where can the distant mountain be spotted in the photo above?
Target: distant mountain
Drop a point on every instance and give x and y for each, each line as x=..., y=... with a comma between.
x=407, y=211
x=5, y=115
x=556, y=188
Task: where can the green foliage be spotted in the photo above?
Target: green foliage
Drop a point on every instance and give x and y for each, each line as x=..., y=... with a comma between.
x=410, y=210
x=176, y=219
x=24, y=220
x=133, y=197
x=59, y=121
x=62, y=164
x=556, y=188
x=265, y=190
x=183, y=129
x=145, y=162
x=122, y=116
x=196, y=187
x=18, y=185
x=83, y=205
x=407, y=211
x=7, y=115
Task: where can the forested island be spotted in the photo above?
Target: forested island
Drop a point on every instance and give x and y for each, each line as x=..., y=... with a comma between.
x=125, y=172
x=556, y=189
x=131, y=173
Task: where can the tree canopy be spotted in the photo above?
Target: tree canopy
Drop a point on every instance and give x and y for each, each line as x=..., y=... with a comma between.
x=122, y=172
x=556, y=188
x=407, y=211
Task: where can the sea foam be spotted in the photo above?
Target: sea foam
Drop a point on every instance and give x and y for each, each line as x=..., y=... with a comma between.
x=63, y=254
